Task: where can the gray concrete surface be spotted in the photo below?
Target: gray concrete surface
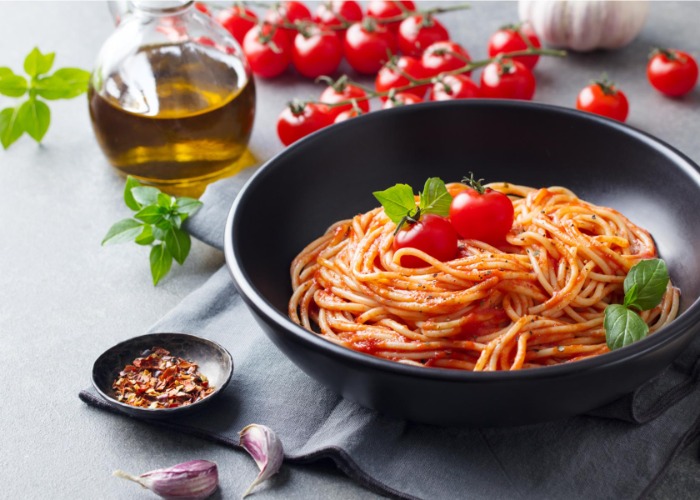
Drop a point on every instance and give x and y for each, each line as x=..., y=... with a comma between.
x=64, y=299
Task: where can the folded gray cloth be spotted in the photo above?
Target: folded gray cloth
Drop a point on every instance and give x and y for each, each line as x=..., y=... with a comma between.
x=618, y=451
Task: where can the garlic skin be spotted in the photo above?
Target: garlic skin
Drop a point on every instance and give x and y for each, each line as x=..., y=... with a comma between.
x=264, y=446
x=195, y=480
x=585, y=25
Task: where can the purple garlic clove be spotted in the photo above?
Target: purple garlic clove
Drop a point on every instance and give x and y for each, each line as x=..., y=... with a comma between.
x=264, y=446
x=195, y=480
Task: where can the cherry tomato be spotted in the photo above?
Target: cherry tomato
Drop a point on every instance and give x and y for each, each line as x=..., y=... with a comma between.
x=366, y=46
x=388, y=78
x=451, y=87
x=336, y=12
x=401, y=99
x=343, y=91
x=444, y=56
x=346, y=115
x=507, y=79
x=605, y=99
x=299, y=120
x=433, y=235
x=202, y=8
x=485, y=216
x=418, y=32
x=510, y=38
x=317, y=52
x=386, y=10
x=288, y=12
x=237, y=21
x=672, y=72
x=267, y=49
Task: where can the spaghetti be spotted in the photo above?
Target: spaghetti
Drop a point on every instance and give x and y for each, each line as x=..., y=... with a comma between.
x=539, y=301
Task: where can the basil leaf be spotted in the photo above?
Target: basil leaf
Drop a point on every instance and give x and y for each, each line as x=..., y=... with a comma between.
x=146, y=237
x=178, y=243
x=187, y=206
x=164, y=200
x=623, y=326
x=123, y=231
x=37, y=63
x=66, y=83
x=631, y=295
x=650, y=277
x=13, y=85
x=128, y=197
x=5, y=71
x=145, y=195
x=10, y=127
x=161, y=262
x=397, y=201
x=35, y=117
x=150, y=214
x=159, y=233
x=434, y=199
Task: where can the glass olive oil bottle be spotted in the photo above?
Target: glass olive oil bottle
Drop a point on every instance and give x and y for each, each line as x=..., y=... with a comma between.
x=176, y=111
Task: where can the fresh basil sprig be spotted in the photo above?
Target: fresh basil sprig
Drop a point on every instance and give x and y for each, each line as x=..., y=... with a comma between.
x=644, y=286
x=33, y=115
x=157, y=223
x=400, y=205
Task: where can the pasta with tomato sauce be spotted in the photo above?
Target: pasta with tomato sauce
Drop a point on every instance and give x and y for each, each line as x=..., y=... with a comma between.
x=537, y=300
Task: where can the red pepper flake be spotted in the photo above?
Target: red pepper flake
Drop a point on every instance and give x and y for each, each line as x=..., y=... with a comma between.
x=159, y=380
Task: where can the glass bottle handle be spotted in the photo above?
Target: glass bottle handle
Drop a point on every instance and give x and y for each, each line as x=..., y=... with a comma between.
x=119, y=10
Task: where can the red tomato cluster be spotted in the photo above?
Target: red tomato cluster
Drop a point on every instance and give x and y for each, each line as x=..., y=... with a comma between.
x=423, y=51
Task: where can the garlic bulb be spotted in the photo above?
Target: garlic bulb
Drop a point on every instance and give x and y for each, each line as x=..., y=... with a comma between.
x=585, y=25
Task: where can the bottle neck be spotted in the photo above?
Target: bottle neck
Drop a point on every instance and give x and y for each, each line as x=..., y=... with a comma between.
x=160, y=8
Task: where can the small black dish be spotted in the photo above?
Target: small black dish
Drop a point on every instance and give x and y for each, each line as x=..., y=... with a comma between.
x=213, y=361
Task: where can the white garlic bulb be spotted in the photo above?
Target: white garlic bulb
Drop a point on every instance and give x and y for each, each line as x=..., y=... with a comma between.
x=585, y=25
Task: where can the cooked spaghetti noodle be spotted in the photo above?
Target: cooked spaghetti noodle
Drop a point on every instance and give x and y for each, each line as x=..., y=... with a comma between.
x=539, y=301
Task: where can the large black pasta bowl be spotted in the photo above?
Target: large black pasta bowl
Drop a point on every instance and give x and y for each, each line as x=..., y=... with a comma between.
x=331, y=176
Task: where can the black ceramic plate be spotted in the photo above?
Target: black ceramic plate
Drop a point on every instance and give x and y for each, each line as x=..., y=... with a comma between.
x=331, y=175
x=213, y=361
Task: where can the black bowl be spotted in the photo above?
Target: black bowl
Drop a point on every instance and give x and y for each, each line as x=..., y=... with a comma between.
x=331, y=175
x=213, y=361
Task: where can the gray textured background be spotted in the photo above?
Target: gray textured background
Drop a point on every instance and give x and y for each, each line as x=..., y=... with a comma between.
x=64, y=299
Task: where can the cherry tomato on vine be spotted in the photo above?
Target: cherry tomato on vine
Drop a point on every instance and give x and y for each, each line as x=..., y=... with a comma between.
x=433, y=235
x=479, y=213
x=449, y=87
x=444, y=56
x=267, y=49
x=298, y=120
x=316, y=51
x=507, y=79
x=389, y=78
x=237, y=21
x=605, y=99
x=366, y=46
x=672, y=72
x=510, y=38
x=417, y=33
x=335, y=12
x=379, y=9
x=401, y=99
x=288, y=12
x=344, y=91
x=346, y=115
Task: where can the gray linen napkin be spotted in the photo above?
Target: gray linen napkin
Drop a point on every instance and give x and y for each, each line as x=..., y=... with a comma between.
x=618, y=451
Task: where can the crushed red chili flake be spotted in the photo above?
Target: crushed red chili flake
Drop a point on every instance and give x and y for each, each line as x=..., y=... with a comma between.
x=159, y=380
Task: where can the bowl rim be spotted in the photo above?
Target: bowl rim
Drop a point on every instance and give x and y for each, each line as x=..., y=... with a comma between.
x=686, y=320
x=161, y=412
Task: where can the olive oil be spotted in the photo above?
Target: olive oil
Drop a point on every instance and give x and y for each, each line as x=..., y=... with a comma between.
x=175, y=116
